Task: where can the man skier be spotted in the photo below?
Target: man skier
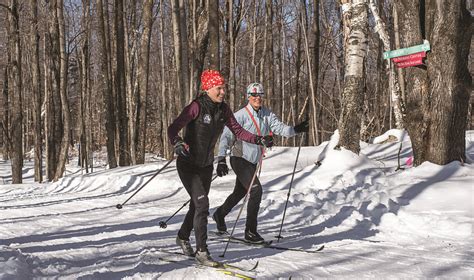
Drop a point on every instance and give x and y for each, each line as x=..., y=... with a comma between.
x=204, y=120
x=245, y=156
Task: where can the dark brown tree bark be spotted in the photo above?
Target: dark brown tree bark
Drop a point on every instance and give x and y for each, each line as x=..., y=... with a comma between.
x=143, y=74
x=200, y=44
x=36, y=86
x=6, y=117
x=85, y=88
x=214, y=46
x=107, y=93
x=449, y=30
x=178, y=52
x=15, y=93
x=438, y=94
x=315, y=61
x=63, y=70
x=124, y=143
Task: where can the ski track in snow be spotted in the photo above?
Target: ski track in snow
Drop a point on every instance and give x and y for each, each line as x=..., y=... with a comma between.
x=71, y=229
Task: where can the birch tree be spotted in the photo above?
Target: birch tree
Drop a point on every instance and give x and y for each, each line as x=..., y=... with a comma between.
x=356, y=43
x=396, y=100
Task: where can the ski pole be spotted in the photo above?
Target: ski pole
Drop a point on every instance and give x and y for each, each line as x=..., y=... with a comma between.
x=243, y=204
x=119, y=206
x=164, y=224
x=289, y=190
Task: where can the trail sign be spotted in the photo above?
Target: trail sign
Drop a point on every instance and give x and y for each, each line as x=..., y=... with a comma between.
x=414, y=56
x=408, y=63
x=409, y=60
x=406, y=51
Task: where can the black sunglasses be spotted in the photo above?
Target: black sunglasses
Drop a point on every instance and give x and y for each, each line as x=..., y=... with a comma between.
x=255, y=94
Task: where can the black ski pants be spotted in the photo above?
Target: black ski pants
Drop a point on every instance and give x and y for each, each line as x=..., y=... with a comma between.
x=197, y=182
x=245, y=171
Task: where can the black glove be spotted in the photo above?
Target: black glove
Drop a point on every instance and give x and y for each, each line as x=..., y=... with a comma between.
x=222, y=168
x=302, y=126
x=266, y=140
x=181, y=148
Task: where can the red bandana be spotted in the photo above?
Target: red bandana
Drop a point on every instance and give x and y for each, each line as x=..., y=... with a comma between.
x=210, y=79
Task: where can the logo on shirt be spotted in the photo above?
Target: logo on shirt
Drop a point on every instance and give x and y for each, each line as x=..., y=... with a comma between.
x=207, y=119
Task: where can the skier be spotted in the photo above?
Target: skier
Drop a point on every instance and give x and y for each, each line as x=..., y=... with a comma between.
x=244, y=157
x=204, y=119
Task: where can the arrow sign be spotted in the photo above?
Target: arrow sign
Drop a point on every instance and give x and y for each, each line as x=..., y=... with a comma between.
x=411, y=50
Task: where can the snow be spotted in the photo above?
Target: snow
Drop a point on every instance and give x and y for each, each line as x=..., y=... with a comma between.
x=376, y=221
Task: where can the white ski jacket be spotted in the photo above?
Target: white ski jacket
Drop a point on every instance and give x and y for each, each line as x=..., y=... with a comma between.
x=265, y=119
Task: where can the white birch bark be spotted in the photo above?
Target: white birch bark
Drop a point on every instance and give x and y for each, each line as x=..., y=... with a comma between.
x=355, y=29
x=395, y=93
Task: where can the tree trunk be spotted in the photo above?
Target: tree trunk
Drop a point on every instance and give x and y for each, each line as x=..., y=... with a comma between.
x=395, y=93
x=107, y=93
x=449, y=29
x=184, y=50
x=6, y=117
x=143, y=74
x=313, y=67
x=48, y=117
x=214, y=58
x=63, y=62
x=15, y=94
x=201, y=45
x=131, y=81
x=178, y=52
x=36, y=84
x=165, y=106
x=417, y=87
x=270, y=67
x=356, y=43
x=85, y=85
x=124, y=144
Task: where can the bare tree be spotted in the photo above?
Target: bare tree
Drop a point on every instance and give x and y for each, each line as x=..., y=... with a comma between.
x=63, y=62
x=179, y=46
x=143, y=74
x=85, y=88
x=395, y=95
x=214, y=46
x=15, y=92
x=124, y=143
x=36, y=85
x=6, y=117
x=109, y=100
x=313, y=65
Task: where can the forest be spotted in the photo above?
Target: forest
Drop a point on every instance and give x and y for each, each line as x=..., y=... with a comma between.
x=109, y=76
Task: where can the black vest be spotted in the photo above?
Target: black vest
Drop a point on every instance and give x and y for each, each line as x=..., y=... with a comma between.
x=202, y=133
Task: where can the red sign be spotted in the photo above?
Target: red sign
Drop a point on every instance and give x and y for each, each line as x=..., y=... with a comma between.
x=408, y=63
x=409, y=57
x=409, y=60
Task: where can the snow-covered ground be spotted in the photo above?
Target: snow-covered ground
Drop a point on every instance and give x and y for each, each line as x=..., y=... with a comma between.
x=376, y=222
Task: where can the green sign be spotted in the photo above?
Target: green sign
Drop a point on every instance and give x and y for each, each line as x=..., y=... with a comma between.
x=401, y=52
